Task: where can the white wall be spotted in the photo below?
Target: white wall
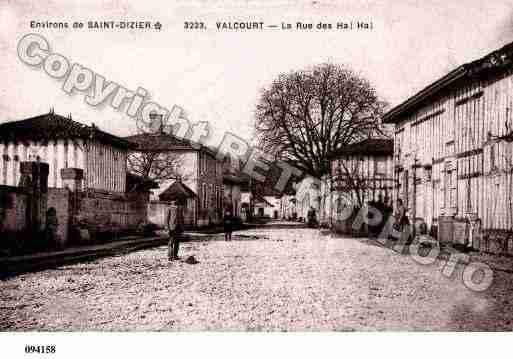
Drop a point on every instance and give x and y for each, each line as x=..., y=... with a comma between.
x=307, y=194
x=58, y=154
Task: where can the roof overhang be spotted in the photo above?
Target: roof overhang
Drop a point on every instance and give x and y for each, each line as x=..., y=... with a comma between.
x=395, y=114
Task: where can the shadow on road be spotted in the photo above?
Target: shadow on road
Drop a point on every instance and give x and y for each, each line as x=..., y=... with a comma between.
x=220, y=237
x=493, y=313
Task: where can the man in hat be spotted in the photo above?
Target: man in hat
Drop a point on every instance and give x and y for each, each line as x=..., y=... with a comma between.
x=174, y=223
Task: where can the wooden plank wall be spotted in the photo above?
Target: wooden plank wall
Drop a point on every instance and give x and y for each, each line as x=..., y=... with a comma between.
x=457, y=125
x=106, y=167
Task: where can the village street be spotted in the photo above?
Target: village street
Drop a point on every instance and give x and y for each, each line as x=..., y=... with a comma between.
x=287, y=278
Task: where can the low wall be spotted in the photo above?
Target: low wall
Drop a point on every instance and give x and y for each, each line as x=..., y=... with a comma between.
x=13, y=207
x=157, y=212
x=98, y=212
x=28, y=222
x=124, y=210
x=497, y=241
x=13, y=219
x=461, y=231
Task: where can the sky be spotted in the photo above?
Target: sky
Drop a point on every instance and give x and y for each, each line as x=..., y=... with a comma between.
x=215, y=75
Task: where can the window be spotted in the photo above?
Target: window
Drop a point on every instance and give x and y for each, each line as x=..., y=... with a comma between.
x=398, y=147
x=450, y=189
x=66, y=154
x=428, y=173
x=493, y=163
x=469, y=196
x=448, y=185
x=204, y=195
x=202, y=162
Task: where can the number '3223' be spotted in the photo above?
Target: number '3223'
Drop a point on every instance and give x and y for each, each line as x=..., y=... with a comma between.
x=193, y=25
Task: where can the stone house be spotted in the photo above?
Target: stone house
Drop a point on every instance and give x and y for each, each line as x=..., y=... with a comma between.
x=453, y=153
x=233, y=181
x=232, y=192
x=200, y=171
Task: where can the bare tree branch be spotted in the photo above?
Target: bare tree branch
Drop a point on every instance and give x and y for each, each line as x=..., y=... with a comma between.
x=306, y=116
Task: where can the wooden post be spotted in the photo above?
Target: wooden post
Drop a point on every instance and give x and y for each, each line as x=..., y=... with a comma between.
x=34, y=179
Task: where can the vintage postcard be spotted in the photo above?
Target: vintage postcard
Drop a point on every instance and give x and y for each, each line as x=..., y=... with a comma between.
x=242, y=166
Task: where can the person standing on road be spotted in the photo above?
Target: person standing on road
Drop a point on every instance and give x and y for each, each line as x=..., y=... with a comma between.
x=228, y=225
x=174, y=223
x=400, y=215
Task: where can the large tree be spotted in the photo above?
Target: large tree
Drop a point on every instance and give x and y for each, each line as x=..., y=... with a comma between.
x=155, y=165
x=153, y=159
x=306, y=116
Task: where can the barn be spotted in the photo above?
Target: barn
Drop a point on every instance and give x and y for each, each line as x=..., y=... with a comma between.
x=453, y=153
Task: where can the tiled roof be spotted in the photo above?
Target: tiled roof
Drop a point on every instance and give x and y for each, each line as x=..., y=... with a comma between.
x=52, y=126
x=370, y=146
x=498, y=61
x=165, y=142
x=260, y=199
x=159, y=142
x=177, y=190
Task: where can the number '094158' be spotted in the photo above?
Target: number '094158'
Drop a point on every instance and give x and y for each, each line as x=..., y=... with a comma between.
x=40, y=349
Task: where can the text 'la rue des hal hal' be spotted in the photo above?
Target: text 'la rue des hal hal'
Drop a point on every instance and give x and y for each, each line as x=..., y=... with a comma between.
x=350, y=25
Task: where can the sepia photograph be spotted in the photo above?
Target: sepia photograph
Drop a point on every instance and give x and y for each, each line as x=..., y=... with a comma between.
x=232, y=167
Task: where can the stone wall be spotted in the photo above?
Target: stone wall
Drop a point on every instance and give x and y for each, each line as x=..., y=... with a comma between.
x=24, y=225
x=23, y=210
x=13, y=206
x=157, y=213
x=59, y=198
x=496, y=241
x=118, y=209
x=97, y=212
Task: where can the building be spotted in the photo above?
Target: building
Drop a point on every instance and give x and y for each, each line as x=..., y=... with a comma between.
x=179, y=192
x=453, y=153
x=54, y=166
x=288, y=206
x=63, y=143
x=362, y=174
x=200, y=171
x=232, y=193
x=308, y=195
x=233, y=181
x=274, y=210
x=260, y=206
